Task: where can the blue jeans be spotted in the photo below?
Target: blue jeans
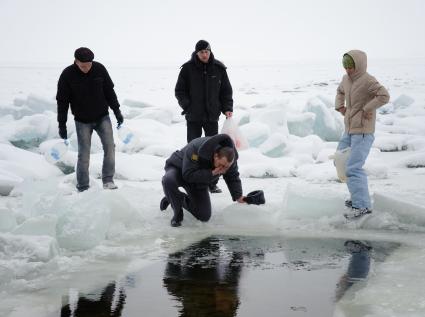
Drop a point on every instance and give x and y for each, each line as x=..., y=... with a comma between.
x=103, y=128
x=356, y=176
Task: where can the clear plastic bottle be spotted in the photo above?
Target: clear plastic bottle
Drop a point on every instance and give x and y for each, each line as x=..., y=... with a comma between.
x=125, y=135
x=57, y=152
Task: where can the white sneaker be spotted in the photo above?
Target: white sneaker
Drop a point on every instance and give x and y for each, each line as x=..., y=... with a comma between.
x=110, y=185
x=353, y=213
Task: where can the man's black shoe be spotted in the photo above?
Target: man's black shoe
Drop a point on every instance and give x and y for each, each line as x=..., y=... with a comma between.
x=214, y=189
x=164, y=203
x=348, y=203
x=175, y=223
x=82, y=189
x=177, y=219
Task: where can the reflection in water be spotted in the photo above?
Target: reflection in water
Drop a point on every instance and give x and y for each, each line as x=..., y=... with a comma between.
x=358, y=267
x=109, y=303
x=204, y=278
x=288, y=276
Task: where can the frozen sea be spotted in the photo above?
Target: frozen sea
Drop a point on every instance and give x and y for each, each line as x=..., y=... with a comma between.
x=60, y=249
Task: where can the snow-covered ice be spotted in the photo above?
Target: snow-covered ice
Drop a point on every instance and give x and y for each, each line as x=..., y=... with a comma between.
x=50, y=234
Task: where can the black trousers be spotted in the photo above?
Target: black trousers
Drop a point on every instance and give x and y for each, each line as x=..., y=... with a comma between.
x=194, y=129
x=196, y=201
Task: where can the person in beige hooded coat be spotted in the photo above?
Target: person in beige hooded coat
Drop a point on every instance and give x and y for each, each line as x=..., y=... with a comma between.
x=358, y=96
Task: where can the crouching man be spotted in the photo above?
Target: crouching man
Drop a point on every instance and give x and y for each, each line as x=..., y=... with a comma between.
x=194, y=167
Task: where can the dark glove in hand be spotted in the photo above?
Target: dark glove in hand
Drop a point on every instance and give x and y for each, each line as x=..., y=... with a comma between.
x=120, y=118
x=62, y=132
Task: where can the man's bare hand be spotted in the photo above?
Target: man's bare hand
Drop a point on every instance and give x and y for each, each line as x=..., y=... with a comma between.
x=241, y=200
x=228, y=114
x=219, y=171
x=342, y=110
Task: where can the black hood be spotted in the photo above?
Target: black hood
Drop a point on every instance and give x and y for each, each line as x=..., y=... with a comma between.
x=211, y=144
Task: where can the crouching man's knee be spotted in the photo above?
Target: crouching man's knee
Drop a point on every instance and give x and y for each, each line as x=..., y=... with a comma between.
x=169, y=181
x=203, y=216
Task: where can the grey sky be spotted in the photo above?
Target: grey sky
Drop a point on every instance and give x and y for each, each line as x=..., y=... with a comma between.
x=164, y=31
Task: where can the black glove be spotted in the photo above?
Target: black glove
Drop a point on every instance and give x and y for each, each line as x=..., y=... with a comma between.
x=256, y=198
x=118, y=115
x=185, y=106
x=62, y=132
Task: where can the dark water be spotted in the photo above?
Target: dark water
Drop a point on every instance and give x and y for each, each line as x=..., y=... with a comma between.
x=239, y=276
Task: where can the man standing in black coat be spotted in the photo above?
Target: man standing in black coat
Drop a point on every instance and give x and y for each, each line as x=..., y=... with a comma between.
x=203, y=91
x=87, y=87
x=194, y=167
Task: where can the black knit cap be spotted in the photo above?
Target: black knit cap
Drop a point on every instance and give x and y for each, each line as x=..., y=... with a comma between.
x=202, y=45
x=84, y=54
x=255, y=197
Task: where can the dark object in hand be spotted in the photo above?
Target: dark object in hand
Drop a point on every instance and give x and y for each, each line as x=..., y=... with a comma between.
x=119, y=117
x=63, y=133
x=255, y=197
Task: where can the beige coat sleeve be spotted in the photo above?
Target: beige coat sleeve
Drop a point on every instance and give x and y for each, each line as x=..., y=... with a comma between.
x=340, y=97
x=380, y=96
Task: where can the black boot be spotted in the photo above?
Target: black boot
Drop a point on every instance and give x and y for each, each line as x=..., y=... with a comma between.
x=175, y=223
x=177, y=219
x=164, y=203
x=214, y=189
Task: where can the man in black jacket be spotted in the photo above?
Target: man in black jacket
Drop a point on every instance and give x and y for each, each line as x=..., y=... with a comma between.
x=195, y=167
x=203, y=91
x=87, y=87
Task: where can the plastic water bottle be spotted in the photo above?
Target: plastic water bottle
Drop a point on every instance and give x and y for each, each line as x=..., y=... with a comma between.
x=57, y=152
x=125, y=134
